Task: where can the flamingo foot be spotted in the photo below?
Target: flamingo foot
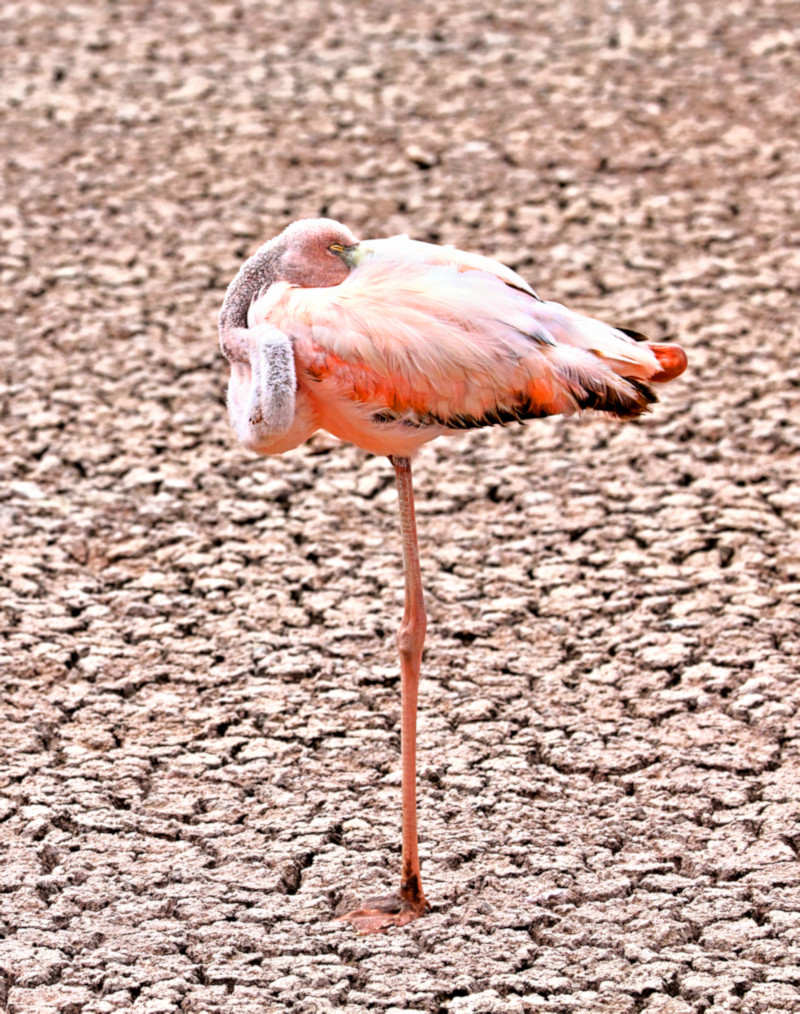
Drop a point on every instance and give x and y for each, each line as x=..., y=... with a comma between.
x=379, y=914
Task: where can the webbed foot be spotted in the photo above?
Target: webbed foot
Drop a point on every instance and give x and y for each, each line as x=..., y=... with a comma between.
x=379, y=914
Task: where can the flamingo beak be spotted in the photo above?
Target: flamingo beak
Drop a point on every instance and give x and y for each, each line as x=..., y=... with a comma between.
x=352, y=255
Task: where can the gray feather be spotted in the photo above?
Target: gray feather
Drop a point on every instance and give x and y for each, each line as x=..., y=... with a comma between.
x=270, y=408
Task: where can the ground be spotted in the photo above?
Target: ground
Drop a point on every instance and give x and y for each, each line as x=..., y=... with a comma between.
x=200, y=687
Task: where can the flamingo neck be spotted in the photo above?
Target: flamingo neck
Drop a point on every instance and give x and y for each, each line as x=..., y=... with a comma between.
x=257, y=273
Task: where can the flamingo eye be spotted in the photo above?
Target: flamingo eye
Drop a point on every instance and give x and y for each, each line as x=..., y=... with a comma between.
x=336, y=248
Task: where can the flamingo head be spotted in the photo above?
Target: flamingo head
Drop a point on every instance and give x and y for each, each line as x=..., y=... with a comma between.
x=315, y=252
x=311, y=253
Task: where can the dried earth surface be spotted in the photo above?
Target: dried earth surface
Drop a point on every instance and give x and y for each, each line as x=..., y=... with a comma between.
x=200, y=690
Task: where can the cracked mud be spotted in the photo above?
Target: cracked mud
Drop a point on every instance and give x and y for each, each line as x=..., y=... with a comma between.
x=198, y=733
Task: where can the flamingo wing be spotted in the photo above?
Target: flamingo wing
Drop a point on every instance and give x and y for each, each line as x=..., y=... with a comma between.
x=433, y=254
x=428, y=335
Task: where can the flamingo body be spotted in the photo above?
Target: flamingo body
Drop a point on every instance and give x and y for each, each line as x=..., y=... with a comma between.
x=417, y=340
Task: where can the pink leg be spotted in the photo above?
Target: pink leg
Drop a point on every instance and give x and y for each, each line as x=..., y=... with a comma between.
x=409, y=903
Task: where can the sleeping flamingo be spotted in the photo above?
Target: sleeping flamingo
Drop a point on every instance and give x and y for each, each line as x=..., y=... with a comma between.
x=390, y=343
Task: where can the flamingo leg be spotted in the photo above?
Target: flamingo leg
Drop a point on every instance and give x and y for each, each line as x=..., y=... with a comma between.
x=409, y=903
x=410, y=643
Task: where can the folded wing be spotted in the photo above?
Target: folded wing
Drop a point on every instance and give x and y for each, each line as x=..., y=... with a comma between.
x=429, y=335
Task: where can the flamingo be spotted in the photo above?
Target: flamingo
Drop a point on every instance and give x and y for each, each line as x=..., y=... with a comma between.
x=390, y=343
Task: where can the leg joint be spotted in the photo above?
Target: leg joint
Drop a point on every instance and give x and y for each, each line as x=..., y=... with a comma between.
x=411, y=635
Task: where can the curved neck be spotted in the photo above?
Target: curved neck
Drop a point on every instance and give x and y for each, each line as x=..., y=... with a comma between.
x=258, y=272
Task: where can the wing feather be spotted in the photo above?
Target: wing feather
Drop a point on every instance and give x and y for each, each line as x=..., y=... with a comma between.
x=432, y=253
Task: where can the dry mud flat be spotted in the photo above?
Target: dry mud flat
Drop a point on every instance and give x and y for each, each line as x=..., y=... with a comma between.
x=200, y=692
